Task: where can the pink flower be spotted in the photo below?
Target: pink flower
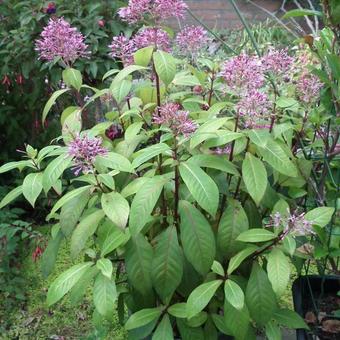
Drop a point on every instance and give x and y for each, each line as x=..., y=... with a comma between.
x=308, y=87
x=123, y=49
x=243, y=72
x=152, y=37
x=157, y=10
x=84, y=151
x=177, y=120
x=60, y=39
x=277, y=61
x=192, y=39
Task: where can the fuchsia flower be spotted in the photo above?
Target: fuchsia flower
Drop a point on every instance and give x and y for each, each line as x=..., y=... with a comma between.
x=308, y=87
x=123, y=49
x=60, y=39
x=243, y=72
x=177, y=120
x=84, y=151
x=152, y=37
x=277, y=61
x=192, y=39
x=158, y=10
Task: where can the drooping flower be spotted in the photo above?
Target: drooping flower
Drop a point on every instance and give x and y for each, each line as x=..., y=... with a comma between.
x=308, y=87
x=123, y=49
x=84, y=151
x=226, y=150
x=114, y=131
x=277, y=61
x=192, y=39
x=176, y=119
x=157, y=10
x=60, y=39
x=152, y=37
x=243, y=72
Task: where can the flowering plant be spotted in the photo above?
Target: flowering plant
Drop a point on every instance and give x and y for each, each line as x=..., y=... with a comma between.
x=191, y=199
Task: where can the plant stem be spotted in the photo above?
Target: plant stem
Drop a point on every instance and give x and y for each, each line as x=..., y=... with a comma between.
x=176, y=217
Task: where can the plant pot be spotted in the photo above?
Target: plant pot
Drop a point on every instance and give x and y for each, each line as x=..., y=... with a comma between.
x=307, y=289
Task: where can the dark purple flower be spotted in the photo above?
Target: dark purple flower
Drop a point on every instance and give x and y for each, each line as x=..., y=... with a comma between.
x=114, y=131
x=123, y=49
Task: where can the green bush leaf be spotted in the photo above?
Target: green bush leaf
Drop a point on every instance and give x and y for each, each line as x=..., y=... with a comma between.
x=11, y=196
x=237, y=321
x=178, y=310
x=290, y=319
x=234, y=294
x=143, y=317
x=66, y=281
x=203, y=189
x=138, y=259
x=72, y=78
x=120, y=90
x=256, y=235
x=201, y=296
x=150, y=152
x=32, y=186
x=86, y=228
x=164, y=330
x=300, y=13
x=273, y=331
x=15, y=165
x=113, y=160
x=127, y=71
x=278, y=269
x=254, y=175
x=260, y=297
x=51, y=102
x=320, y=216
x=234, y=221
x=167, y=264
x=116, y=208
x=165, y=66
x=143, y=56
x=197, y=238
x=236, y=260
x=217, y=268
x=104, y=295
x=144, y=203
x=105, y=266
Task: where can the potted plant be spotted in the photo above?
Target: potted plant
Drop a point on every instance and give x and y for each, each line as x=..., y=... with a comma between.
x=185, y=203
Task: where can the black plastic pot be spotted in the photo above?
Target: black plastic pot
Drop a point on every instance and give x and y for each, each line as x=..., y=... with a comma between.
x=307, y=289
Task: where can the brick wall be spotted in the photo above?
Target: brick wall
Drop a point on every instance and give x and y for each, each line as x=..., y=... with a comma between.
x=221, y=14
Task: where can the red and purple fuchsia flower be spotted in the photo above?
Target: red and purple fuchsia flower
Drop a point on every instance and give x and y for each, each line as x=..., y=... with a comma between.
x=84, y=151
x=60, y=40
x=175, y=119
x=192, y=39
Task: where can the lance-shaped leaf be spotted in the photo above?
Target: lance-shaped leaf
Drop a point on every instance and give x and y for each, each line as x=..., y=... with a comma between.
x=165, y=66
x=237, y=321
x=234, y=294
x=105, y=266
x=116, y=208
x=237, y=259
x=164, y=330
x=32, y=186
x=320, y=216
x=197, y=238
x=143, y=317
x=11, y=196
x=144, y=155
x=256, y=235
x=113, y=160
x=290, y=319
x=72, y=78
x=201, y=186
x=51, y=102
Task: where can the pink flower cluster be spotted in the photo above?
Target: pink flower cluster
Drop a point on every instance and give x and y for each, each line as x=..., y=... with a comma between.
x=123, y=49
x=157, y=10
x=192, y=39
x=277, y=61
x=60, y=39
x=177, y=120
x=152, y=37
x=308, y=87
x=84, y=151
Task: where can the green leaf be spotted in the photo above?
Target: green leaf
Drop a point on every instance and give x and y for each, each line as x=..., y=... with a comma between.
x=143, y=317
x=134, y=186
x=189, y=333
x=201, y=296
x=104, y=295
x=167, y=264
x=68, y=197
x=15, y=165
x=51, y=102
x=278, y=269
x=120, y=90
x=138, y=259
x=254, y=175
x=72, y=78
x=11, y=196
x=66, y=281
x=201, y=186
x=115, y=161
x=234, y=294
x=179, y=310
x=256, y=235
x=70, y=213
x=86, y=228
x=197, y=238
x=217, y=268
x=236, y=260
x=320, y=216
x=234, y=221
x=150, y=152
x=127, y=71
x=290, y=319
x=105, y=266
x=275, y=156
x=220, y=324
x=144, y=203
x=237, y=321
x=110, y=237
x=54, y=170
x=165, y=66
x=143, y=56
x=32, y=186
x=300, y=13
x=260, y=297
x=116, y=208
x=222, y=137
x=110, y=73
x=164, y=330
x=214, y=162
x=259, y=137
x=273, y=331
x=284, y=103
